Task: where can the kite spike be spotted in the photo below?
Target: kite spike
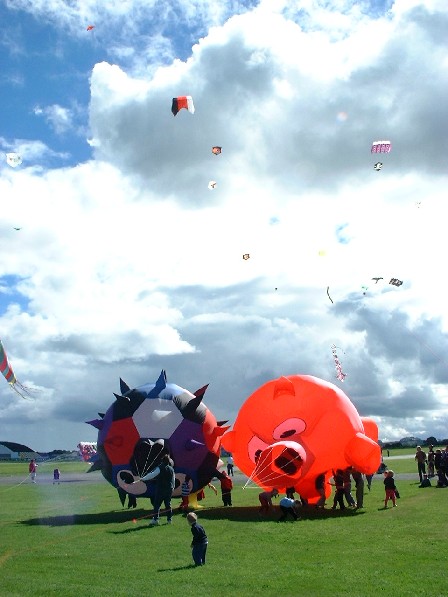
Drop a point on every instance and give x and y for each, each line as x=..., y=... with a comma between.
x=161, y=381
x=220, y=423
x=124, y=387
x=119, y=397
x=102, y=415
x=200, y=393
x=97, y=423
x=283, y=386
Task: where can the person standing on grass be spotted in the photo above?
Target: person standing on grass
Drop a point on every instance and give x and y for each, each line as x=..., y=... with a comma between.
x=369, y=481
x=200, y=540
x=338, y=482
x=226, y=488
x=166, y=482
x=230, y=465
x=420, y=458
x=431, y=456
x=348, y=487
x=56, y=476
x=389, y=487
x=185, y=493
x=319, y=484
x=359, y=483
x=33, y=470
x=289, y=507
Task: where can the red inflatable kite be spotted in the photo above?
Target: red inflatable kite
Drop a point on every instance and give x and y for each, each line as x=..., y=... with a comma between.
x=293, y=429
x=184, y=101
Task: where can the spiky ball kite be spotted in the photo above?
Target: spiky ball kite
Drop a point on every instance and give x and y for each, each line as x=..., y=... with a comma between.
x=147, y=422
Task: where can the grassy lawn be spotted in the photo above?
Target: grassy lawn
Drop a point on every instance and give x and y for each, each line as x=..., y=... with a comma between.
x=74, y=539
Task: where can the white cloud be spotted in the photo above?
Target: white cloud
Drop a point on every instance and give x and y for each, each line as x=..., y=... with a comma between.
x=129, y=264
x=60, y=118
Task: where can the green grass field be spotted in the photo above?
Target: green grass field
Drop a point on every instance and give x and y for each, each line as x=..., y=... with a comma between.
x=74, y=539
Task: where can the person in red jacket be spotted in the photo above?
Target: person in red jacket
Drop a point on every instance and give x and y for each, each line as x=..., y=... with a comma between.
x=226, y=488
x=33, y=470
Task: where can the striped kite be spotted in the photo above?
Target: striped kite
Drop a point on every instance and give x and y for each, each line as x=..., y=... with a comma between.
x=8, y=373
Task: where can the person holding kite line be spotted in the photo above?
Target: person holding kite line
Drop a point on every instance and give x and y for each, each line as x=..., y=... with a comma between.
x=166, y=482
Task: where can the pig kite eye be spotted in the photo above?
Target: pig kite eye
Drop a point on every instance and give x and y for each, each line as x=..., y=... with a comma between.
x=289, y=428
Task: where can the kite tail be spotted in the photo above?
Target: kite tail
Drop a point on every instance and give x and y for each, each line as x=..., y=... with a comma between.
x=21, y=390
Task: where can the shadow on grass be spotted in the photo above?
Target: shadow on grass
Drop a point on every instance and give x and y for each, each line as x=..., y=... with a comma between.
x=245, y=514
x=86, y=519
x=177, y=568
x=233, y=513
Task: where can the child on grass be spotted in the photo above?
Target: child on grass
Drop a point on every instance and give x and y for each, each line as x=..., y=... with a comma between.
x=200, y=540
x=56, y=476
x=389, y=486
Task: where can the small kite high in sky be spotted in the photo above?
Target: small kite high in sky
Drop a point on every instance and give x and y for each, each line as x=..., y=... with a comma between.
x=90, y=27
x=378, y=166
x=340, y=375
x=183, y=101
x=212, y=185
x=246, y=256
x=8, y=373
x=377, y=280
x=328, y=293
x=395, y=282
x=216, y=150
x=381, y=147
x=13, y=159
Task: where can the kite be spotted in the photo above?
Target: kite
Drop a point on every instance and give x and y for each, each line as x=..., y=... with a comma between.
x=341, y=376
x=293, y=429
x=13, y=159
x=381, y=147
x=377, y=280
x=87, y=451
x=328, y=293
x=184, y=101
x=147, y=422
x=212, y=185
x=8, y=373
x=395, y=282
x=90, y=27
x=378, y=166
x=216, y=150
x=246, y=256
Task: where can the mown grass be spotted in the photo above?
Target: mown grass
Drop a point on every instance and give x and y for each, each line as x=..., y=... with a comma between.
x=74, y=539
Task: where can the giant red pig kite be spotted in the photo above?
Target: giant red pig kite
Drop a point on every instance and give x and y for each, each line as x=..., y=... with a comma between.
x=293, y=429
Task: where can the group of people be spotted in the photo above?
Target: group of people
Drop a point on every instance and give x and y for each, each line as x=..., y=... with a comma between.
x=437, y=463
x=32, y=469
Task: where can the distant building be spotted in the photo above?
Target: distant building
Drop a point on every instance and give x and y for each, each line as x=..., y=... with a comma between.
x=13, y=451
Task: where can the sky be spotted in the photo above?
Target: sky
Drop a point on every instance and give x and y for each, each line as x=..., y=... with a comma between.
x=126, y=263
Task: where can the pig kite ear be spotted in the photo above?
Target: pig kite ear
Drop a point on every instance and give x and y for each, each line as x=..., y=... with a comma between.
x=227, y=441
x=283, y=386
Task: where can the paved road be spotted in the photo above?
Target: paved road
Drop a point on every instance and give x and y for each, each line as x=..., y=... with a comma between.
x=46, y=478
